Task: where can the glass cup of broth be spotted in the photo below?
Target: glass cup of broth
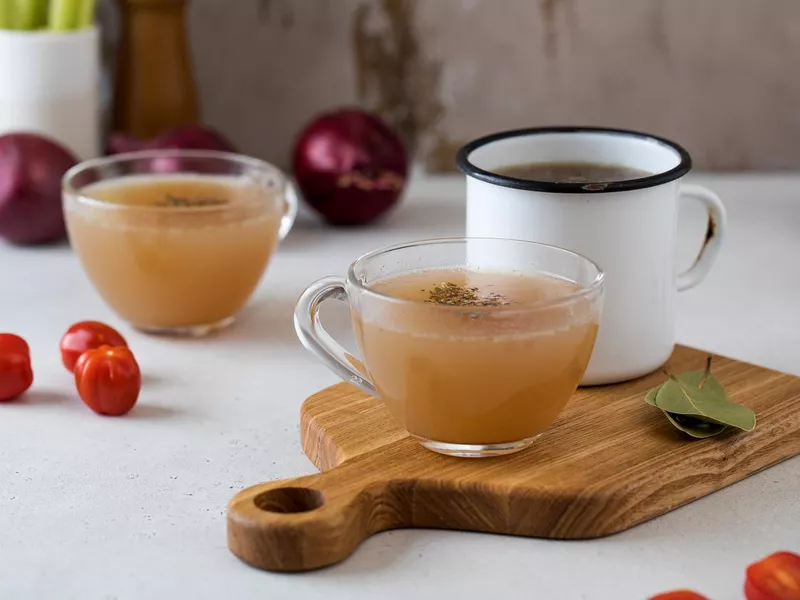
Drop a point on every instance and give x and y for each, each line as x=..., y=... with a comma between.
x=176, y=241
x=475, y=345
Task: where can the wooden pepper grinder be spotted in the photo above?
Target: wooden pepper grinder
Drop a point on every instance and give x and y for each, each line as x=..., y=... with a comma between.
x=154, y=85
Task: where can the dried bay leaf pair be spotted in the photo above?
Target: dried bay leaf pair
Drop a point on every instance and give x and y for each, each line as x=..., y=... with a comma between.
x=697, y=404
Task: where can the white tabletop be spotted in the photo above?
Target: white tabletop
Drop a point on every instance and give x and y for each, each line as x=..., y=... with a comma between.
x=134, y=507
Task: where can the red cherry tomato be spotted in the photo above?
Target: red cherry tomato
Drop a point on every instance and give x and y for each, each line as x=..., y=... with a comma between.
x=16, y=374
x=108, y=379
x=776, y=577
x=84, y=336
x=678, y=595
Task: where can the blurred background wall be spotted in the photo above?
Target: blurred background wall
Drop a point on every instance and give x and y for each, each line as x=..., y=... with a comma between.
x=719, y=76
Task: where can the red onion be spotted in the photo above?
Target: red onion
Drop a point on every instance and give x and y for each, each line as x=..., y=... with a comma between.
x=350, y=167
x=31, y=168
x=120, y=143
x=191, y=137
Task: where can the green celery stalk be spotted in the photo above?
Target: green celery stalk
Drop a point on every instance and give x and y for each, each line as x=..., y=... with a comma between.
x=30, y=14
x=7, y=14
x=63, y=14
x=86, y=16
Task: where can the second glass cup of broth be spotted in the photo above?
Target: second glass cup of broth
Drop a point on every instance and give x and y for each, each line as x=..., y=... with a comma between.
x=475, y=345
x=176, y=241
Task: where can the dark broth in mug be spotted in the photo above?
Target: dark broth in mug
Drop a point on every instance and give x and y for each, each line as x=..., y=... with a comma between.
x=572, y=172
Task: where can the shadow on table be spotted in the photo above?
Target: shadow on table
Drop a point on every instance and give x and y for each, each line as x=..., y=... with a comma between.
x=149, y=379
x=269, y=322
x=263, y=321
x=425, y=219
x=374, y=554
x=152, y=412
x=141, y=411
x=35, y=396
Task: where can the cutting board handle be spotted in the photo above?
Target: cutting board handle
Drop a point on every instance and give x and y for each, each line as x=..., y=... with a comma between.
x=309, y=522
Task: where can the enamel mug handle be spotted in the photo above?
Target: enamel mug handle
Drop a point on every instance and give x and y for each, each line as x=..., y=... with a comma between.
x=715, y=231
x=290, y=213
x=314, y=337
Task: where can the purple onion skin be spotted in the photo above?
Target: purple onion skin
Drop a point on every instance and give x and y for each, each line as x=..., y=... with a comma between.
x=121, y=143
x=191, y=137
x=194, y=137
x=350, y=167
x=31, y=169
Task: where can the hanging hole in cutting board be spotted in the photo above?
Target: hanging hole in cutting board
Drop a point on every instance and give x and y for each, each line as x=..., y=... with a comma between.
x=289, y=500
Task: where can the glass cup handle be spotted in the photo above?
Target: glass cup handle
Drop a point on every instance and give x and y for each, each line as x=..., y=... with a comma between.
x=314, y=337
x=290, y=214
x=715, y=231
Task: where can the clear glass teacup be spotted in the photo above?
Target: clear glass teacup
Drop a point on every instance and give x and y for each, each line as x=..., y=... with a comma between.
x=176, y=241
x=475, y=345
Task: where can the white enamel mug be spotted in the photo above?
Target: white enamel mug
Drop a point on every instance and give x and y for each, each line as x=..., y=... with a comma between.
x=627, y=227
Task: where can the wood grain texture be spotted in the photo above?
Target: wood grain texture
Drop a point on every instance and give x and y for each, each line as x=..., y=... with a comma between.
x=608, y=463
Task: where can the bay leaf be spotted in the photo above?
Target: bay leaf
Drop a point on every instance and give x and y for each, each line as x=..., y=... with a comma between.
x=679, y=396
x=697, y=404
x=650, y=398
x=697, y=428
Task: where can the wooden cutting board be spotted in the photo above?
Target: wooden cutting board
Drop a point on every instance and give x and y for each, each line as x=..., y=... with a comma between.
x=608, y=463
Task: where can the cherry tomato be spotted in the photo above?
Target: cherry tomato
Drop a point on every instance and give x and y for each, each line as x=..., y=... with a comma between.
x=108, y=379
x=84, y=336
x=16, y=374
x=678, y=595
x=776, y=577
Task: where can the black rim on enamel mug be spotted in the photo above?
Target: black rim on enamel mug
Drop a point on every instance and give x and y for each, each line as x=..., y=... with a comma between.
x=469, y=168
